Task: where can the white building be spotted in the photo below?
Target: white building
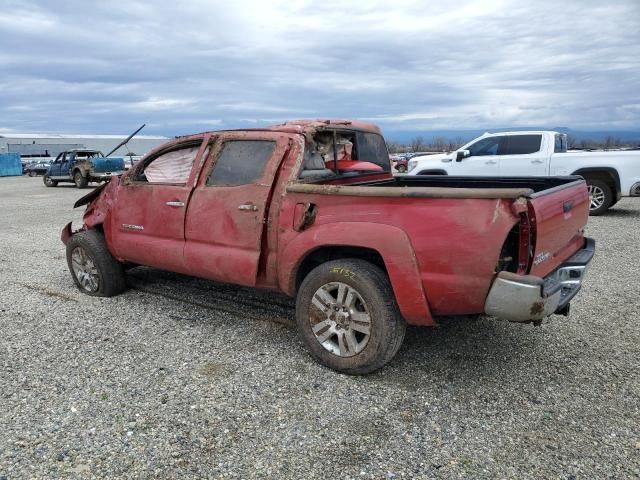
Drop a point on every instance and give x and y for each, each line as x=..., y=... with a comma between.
x=49, y=145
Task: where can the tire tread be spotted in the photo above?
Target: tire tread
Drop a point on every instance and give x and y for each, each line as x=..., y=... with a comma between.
x=112, y=277
x=390, y=313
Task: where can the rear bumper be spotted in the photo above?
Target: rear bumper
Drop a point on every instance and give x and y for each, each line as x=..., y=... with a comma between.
x=106, y=175
x=525, y=298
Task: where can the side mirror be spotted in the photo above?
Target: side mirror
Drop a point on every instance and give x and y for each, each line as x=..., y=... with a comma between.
x=460, y=154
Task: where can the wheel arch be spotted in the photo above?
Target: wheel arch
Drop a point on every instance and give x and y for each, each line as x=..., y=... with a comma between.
x=383, y=245
x=609, y=175
x=432, y=171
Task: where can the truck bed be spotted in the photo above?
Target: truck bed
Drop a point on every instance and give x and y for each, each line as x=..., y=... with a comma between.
x=440, y=186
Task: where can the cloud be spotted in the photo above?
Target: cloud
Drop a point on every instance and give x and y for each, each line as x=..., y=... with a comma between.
x=73, y=66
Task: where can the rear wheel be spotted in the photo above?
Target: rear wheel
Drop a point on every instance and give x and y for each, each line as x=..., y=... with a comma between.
x=48, y=182
x=600, y=196
x=93, y=268
x=79, y=179
x=401, y=168
x=31, y=173
x=348, y=318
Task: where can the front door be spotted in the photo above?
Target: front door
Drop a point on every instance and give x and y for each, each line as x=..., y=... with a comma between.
x=229, y=207
x=61, y=165
x=54, y=169
x=147, y=227
x=482, y=161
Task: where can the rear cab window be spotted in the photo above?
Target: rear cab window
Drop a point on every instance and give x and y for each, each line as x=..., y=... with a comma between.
x=350, y=151
x=560, y=145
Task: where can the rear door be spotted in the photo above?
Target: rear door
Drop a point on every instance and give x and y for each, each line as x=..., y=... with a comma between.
x=523, y=155
x=147, y=227
x=560, y=215
x=229, y=207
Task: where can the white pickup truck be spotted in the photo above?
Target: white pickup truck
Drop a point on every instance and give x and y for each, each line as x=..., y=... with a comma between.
x=609, y=174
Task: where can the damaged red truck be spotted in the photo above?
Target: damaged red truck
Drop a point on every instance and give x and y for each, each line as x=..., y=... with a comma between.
x=310, y=208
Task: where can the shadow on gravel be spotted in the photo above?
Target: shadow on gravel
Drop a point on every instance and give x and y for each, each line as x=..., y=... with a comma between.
x=247, y=302
x=465, y=351
x=622, y=213
x=460, y=349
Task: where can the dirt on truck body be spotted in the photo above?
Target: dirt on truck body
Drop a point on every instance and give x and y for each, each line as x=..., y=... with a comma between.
x=310, y=208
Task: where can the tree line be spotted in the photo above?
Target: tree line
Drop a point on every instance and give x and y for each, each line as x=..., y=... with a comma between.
x=445, y=144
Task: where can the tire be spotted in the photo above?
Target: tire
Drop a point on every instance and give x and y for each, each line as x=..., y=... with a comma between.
x=93, y=269
x=600, y=197
x=366, y=293
x=79, y=179
x=401, y=169
x=48, y=182
x=31, y=173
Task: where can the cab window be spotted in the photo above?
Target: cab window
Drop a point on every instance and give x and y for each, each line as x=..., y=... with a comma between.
x=560, y=144
x=485, y=147
x=172, y=166
x=520, y=144
x=241, y=162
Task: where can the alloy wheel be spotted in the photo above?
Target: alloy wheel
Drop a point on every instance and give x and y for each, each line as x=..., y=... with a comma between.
x=596, y=197
x=340, y=319
x=85, y=270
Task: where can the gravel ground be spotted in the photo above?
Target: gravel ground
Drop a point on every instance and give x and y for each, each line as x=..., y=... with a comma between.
x=183, y=378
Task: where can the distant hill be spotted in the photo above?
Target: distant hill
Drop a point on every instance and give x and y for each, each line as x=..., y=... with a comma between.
x=404, y=136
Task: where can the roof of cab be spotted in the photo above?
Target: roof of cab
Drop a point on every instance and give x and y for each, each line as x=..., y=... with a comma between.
x=299, y=126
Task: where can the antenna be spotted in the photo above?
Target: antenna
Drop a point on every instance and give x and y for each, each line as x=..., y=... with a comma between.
x=126, y=140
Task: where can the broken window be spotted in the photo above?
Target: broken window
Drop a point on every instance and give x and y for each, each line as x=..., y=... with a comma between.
x=372, y=148
x=241, y=162
x=171, y=167
x=355, y=152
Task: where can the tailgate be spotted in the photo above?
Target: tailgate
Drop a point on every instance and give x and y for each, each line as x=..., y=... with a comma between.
x=107, y=164
x=560, y=215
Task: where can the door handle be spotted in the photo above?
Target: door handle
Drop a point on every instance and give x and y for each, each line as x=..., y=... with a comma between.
x=248, y=207
x=537, y=161
x=490, y=162
x=175, y=204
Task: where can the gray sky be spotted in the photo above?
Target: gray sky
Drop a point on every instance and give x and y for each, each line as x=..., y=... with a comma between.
x=73, y=67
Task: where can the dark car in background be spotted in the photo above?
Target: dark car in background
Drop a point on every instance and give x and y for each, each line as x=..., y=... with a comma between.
x=38, y=167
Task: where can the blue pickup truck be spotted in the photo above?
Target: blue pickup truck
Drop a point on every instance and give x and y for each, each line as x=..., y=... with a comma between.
x=81, y=167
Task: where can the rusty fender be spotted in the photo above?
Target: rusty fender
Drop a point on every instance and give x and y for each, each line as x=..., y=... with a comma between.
x=408, y=192
x=390, y=242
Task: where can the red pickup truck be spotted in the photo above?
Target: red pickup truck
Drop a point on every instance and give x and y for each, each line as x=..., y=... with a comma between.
x=310, y=208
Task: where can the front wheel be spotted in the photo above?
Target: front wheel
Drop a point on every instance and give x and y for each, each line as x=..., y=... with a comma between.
x=93, y=268
x=402, y=169
x=79, y=179
x=48, y=182
x=31, y=173
x=600, y=197
x=348, y=318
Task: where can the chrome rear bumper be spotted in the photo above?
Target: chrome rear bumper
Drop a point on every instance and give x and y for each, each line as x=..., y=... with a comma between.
x=526, y=298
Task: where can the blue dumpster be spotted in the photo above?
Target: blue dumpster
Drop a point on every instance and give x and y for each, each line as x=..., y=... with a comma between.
x=10, y=165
